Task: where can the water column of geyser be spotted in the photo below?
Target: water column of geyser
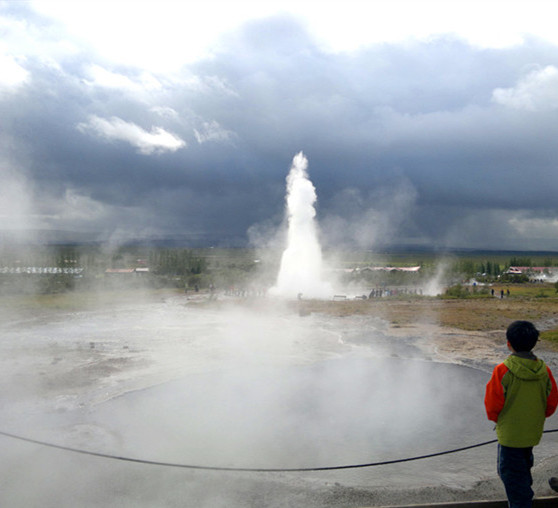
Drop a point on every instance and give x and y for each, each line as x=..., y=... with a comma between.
x=300, y=272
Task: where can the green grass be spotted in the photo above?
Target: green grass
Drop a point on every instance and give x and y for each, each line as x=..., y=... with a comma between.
x=550, y=335
x=79, y=300
x=528, y=290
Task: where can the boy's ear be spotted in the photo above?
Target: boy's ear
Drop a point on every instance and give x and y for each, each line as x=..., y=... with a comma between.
x=510, y=346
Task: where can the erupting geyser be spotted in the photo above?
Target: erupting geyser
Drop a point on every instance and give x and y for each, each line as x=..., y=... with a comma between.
x=301, y=264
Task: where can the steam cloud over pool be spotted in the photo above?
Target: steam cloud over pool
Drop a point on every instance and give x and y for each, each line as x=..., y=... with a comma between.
x=228, y=387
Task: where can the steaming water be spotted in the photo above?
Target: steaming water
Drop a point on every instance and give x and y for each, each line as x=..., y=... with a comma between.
x=301, y=264
x=330, y=413
x=169, y=382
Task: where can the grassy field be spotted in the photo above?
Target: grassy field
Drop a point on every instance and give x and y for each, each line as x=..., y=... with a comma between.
x=80, y=300
x=485, y=314
x=537, y=303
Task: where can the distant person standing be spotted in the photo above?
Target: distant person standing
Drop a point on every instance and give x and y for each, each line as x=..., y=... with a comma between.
x=521, y=393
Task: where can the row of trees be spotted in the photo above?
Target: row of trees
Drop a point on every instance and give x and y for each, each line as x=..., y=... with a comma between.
x=176, y=262
x=182, y=267
x=471, y=268
x=22, y=270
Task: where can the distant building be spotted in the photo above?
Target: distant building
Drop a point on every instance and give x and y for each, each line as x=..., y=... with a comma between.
x=388, y=269
x=40, y=270
x=540, y=273
x=126, y=271
x=119, y=271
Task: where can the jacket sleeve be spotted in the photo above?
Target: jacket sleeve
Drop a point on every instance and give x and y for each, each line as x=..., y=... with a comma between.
x=552, y=399
x=495, y=397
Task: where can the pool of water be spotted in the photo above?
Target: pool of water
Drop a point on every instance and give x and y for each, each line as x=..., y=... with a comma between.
x=209, y=387
x=336, y=412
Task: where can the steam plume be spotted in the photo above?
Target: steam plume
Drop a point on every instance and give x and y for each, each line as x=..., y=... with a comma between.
x=301, y=263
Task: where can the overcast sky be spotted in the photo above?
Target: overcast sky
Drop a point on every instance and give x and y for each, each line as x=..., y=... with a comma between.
x=428, y=123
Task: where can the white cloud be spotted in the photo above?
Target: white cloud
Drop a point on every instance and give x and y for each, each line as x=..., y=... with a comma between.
x=78, y=207
x=502, y=229
x=538, y=91
x=535, y=227
x=211, y=131
x=12, y=74
x=107, y=79
x=163, y=35
x=155, y=35
x=75, y=210
x=165, y=112
x=156, y=141
x=33, y=40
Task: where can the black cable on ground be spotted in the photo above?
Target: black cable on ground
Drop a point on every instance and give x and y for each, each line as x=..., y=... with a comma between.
x=248, y=469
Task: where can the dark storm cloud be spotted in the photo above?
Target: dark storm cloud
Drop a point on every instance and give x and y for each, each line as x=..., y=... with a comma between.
x=433, y=141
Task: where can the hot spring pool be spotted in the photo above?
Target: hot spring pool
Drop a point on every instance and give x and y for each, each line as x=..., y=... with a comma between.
x=337, y=412
x=216, y=388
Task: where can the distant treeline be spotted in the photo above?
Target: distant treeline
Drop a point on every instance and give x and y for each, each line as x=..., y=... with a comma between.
x=31, y=269
x=225, y=268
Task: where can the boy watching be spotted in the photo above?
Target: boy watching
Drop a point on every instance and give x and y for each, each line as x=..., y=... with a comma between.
x=521, y=393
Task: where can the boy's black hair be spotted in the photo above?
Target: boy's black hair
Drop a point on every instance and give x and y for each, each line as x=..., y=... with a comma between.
x=522, y=336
